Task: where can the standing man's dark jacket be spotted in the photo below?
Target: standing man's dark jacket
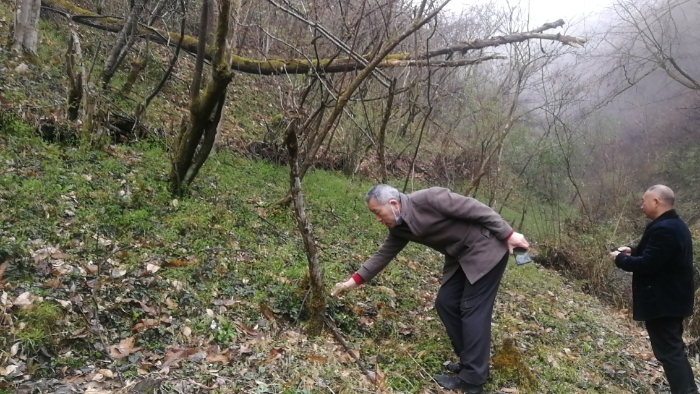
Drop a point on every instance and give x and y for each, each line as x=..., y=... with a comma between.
x=662, y=267
x=470, y=234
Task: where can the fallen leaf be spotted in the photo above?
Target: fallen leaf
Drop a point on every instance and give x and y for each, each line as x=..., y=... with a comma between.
x=197, y=357
x=218, y=358
x=413, y=266
x=22, y=68
x=95, y=390
x=174, y=355
x=387, y=290
x=186, y=331
x=8, y=370
x=170, y=303
x=245, y=350
x=59, y=255
x=247, y=329
x=43, y=253
x=275, y=353
x=150, y=310
x=123, y=348
x=54, y=283
x=145, y=324
x=267, y=311
x=313, y=357
x=177, y=263
x=24, y=299
x=74, y=379
x=226, y=302
x=3, y=268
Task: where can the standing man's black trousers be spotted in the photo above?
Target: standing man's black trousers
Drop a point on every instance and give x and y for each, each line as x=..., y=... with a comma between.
x=666, y=336
x=465, y=309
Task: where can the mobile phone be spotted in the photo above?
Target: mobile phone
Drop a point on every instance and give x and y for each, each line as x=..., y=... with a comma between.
x=521, y=256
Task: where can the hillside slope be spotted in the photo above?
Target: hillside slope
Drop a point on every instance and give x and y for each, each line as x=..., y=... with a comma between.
x=111, y=282
x=113, y=286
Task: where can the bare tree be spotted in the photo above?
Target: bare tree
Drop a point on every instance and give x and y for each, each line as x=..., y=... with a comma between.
x=317, y=298
x=197, y=134
x=77, y=77
x=124, y=42
x=306, y=65
x=357, y=62
x=26, y=26
x=657, y=34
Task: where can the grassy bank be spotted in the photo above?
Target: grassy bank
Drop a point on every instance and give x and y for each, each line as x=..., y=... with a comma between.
x=111, y=278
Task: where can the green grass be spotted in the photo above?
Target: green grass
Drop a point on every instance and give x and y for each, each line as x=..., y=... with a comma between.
x=232, y=262
x=111, y=208
x=39, y=326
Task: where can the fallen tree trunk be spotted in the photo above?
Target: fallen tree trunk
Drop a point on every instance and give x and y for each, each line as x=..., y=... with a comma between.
x=306, y=66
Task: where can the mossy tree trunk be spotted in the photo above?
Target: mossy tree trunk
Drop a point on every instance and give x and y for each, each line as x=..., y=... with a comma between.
x=76, y=76
x=125, y=40
x=137, y=66
x=335, y=65
x=316, y=304
x=197, y=135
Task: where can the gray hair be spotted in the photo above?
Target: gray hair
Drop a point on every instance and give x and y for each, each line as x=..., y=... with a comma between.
x=664, y=193
x=382, y=193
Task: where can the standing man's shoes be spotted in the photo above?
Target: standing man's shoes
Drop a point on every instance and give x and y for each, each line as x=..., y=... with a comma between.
x=457, y=384
x=453, y=367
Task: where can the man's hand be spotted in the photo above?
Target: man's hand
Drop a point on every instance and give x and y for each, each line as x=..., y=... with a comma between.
x=625, y=250
x=517, y=240
x=341, y=287
x=621, y=249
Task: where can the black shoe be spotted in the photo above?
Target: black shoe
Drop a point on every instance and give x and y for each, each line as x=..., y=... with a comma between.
x=453, y=367
x=457, y=384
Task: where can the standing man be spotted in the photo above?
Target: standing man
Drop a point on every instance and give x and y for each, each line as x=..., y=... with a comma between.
x=476, y=243
x=662, y=284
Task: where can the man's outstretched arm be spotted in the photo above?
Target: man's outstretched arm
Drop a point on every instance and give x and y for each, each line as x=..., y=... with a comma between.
x=391, y=247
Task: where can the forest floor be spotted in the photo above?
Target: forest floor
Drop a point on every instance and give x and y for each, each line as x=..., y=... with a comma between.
x=111, y=285
x=112, y=282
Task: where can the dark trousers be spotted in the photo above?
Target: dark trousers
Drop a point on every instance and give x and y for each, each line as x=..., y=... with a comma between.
x=666, y=336
x=465, y=309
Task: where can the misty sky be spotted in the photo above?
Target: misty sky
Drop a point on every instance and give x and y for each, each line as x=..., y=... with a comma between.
x=542, y=11
x=550, y=10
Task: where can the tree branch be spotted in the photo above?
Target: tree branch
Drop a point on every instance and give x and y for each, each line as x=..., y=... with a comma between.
x=305, y=66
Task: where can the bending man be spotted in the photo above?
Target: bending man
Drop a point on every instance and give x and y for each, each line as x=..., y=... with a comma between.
x=476, y=243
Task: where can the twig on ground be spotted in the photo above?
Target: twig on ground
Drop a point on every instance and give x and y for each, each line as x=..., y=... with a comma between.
x=339, y=337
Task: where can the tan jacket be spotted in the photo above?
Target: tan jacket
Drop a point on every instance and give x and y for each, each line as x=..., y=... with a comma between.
x=466, y=231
